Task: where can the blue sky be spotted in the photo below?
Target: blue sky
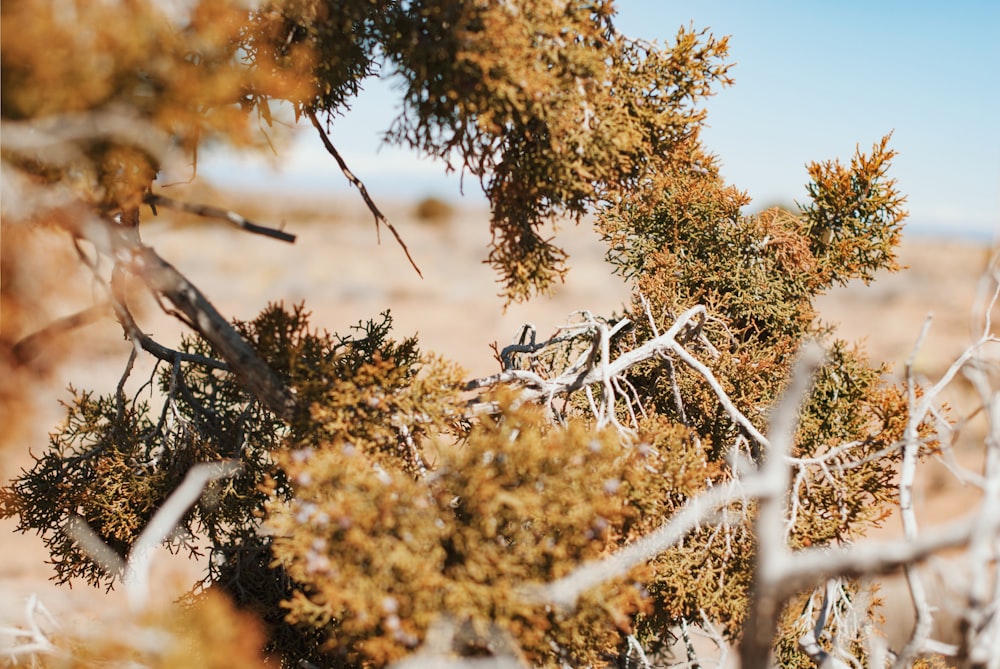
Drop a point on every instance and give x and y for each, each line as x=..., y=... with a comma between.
x=813, y=80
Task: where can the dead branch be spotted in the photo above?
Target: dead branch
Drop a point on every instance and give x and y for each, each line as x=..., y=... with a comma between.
x=698, y=511
x=160, y=277
x=919, y=409
x=766, y=599
x=595, y=368
x=207, y=211
x=252, y=372
x=54, y=139
x=780, y=574
x=31, y=640
x=136, y=569
x=805, y=568
x=31, y=346
x=357, y=183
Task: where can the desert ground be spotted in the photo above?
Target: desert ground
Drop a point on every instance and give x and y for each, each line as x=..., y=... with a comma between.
x=344, y=275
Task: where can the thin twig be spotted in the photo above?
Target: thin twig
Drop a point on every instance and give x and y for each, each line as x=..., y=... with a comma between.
x=36, y=642
x=600, y=370
x=30, y=347
x=356, y=182
x=163, y=279
x=207, y=211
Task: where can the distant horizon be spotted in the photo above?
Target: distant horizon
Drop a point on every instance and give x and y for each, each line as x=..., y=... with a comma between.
x=353, y=199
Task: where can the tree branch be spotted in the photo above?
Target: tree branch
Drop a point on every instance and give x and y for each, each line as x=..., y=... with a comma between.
x=207, y=211
x=136, y=569
x=163, y=279
x=700, y=510
x=766, y=599
x=356, y=182
x=595, y=368
x=30, y=347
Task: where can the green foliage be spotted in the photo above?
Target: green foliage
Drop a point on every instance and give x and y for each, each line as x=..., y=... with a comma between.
x=685, y=243
x=855, y=215
x=583, y=119
x=546, y=105
x=150, y=82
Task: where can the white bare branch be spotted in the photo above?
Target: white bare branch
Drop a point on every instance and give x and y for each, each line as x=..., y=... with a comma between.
x=135, y=571
x=136, y=578
x=54, y=139
x=30, y=641
x=597, y=369
x=698, y=511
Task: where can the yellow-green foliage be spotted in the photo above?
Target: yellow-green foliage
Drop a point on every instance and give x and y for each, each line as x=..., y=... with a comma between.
x=349, y=537
x=377, y=556
x=158, y=81
x=683, y=243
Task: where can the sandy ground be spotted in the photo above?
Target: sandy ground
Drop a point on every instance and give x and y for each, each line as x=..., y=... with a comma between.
x=344, y=276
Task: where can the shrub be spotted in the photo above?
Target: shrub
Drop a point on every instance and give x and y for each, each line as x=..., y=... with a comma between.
x=434, y=210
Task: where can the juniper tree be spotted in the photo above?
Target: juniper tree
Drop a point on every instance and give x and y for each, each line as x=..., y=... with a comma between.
x=625, y=446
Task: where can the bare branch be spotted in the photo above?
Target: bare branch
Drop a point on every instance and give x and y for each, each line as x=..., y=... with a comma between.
x=124, y=246
x=30, y=347
x=872, y=558
x=77, y=529
x=52, y=139
x=595, y=368
x=252, y=372
x=918, y=411
x=32, y=641
x=809, y=643
x=356, y=182
x=227, y=215
x=767, y=598
x=136, y=578
x=980, y=623
x=700, y=510
x=142, y=340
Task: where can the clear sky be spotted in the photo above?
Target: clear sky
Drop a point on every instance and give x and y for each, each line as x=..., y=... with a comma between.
x=813, y=80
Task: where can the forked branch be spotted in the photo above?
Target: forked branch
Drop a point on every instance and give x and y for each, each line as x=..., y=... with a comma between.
x=165, y=281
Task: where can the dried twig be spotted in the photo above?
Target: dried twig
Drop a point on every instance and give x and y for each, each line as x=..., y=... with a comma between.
x=30, y=347
x=357, y=183
x=227, y=215
x=31, y=641
x=596, y=368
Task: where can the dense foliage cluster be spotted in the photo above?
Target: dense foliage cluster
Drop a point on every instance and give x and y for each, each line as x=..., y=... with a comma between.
x=392, y=497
